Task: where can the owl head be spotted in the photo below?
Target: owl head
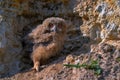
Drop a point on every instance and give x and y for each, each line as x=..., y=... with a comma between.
x=55, y=24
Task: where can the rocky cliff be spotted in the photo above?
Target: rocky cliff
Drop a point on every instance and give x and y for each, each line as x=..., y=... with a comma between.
x=93, y=34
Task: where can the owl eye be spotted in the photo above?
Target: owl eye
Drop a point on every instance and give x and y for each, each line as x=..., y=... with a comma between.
x=51, y=25
x=60, y=27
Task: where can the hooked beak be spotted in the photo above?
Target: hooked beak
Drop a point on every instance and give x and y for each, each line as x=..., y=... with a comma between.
x=54, y=29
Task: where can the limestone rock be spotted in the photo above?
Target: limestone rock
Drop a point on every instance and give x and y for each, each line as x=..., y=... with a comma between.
x=106, y=13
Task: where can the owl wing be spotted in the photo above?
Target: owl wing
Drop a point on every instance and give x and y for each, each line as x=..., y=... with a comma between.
x=43, y=40
x=36, y=32
x=39, y=35
x=33, y=35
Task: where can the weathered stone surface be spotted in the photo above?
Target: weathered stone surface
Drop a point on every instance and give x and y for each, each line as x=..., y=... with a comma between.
x=10, y=47
x=104, y=15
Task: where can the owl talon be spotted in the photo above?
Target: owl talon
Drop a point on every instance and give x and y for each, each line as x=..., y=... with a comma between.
x=35, y=69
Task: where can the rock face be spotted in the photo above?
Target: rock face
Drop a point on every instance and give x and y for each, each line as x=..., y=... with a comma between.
x=10, y=47
x=93, y=21
x=101, y=21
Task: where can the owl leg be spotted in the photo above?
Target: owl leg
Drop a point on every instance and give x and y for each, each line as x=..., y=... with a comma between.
x=36, y=66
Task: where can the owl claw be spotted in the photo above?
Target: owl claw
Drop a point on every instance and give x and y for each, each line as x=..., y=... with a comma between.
x=35, y=69
x=36, y=66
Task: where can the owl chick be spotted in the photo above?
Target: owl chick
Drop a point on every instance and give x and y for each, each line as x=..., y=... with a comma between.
x=48, y=39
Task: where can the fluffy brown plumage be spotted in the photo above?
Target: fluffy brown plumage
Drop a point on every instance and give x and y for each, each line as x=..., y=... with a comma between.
x=48, y=39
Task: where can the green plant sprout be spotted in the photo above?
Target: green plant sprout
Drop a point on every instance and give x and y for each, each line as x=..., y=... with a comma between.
x=93, y=65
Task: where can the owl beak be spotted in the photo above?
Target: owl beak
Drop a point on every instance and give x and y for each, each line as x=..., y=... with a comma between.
x=54, y=29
